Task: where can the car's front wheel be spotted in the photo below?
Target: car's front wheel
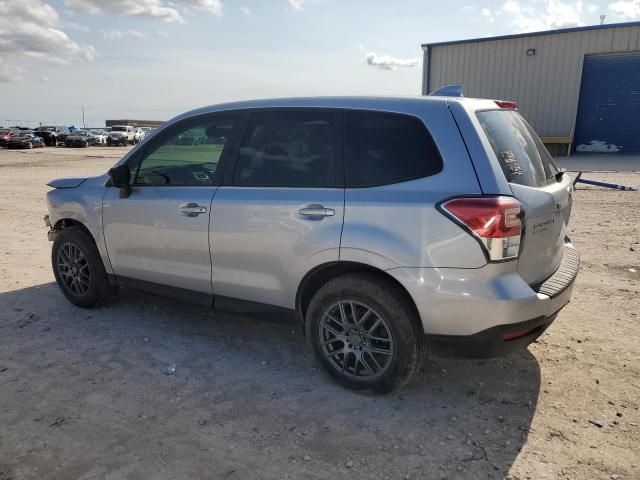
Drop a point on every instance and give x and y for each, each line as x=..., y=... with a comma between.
x=365, y=332
x=78, y=267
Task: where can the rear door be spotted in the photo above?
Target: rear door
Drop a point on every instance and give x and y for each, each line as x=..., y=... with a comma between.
x=534, y=181
x=280, y=213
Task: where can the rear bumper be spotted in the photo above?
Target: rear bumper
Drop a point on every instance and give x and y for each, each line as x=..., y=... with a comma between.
x=493, y=342
x=472, y=309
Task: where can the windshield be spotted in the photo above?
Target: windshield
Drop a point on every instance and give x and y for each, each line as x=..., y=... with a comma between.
x=521, y=154
x=4, y=131
x=81, y=133
x=118, y=129
x=97, y=132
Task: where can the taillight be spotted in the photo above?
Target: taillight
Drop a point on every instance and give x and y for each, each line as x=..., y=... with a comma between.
x=495, y=221
x=506, y=104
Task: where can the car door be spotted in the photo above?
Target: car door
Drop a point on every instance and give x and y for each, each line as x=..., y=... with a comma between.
x=160, y=233
x=279, y=213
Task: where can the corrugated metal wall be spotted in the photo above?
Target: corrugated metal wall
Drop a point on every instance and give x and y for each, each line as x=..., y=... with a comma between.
x=546, y=85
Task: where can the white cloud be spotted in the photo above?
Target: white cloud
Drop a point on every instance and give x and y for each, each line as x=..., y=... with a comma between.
x=627, y=9
x=44, y=79
x=297, y=4
x=593, y=8
x=167, y=11
x=212, y=6
x=162, y=33
x=511, y=6
x=387, y=62
x=486, y=13
x=76, y=26
x=29, y=29
x=118, y=34
x=8, y=72
x=535, y=16
x=245, y=10
x=144, y=8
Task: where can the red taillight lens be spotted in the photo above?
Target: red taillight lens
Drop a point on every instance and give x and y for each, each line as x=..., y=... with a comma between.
x=496, y=217
x=506, y=104
x=495, y=221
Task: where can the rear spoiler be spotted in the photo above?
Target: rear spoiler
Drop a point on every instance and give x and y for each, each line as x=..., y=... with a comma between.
x=448, y=91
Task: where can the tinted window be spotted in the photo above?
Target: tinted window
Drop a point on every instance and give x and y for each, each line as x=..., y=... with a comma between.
x=385, y=148
x=288, y=149
x=188, y=156
x=521, y=154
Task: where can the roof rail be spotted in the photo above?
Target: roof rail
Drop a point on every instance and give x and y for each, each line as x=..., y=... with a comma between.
x=448, y=91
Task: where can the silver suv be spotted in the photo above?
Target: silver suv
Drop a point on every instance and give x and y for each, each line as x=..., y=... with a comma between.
x=388, y=227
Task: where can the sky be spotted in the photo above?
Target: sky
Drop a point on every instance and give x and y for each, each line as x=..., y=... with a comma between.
x=154, y=59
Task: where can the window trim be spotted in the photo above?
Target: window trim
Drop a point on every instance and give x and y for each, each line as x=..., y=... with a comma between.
x=338, y=138
x=161, y=136
x=401, y=114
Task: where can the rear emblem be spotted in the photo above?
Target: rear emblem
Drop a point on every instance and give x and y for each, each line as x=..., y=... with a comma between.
x=544, y=225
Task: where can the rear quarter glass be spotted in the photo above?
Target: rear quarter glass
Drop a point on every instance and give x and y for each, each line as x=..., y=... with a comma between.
x=521, y=154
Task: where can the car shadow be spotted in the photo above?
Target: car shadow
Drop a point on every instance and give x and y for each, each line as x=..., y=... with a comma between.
x=242, y=386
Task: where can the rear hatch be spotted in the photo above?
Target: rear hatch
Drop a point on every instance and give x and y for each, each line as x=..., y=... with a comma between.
x=535, y=180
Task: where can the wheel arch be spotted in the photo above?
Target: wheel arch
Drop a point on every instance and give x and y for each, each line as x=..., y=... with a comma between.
x=72, y=222
x=322, y=274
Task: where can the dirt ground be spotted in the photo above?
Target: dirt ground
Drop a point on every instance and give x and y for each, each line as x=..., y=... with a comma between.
x=83, y=394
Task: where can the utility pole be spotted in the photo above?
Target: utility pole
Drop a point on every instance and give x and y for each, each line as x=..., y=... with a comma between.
x=83, y=125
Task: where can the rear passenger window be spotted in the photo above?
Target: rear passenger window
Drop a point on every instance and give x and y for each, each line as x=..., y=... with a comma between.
x=385, y=148
x=288, y=149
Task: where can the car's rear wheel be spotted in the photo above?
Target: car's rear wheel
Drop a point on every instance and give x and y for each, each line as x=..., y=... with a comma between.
x=365, y=332
x=78, y=268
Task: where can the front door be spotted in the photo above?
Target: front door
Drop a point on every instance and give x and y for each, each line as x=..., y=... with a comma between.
x=160, y=233
x=281, y=212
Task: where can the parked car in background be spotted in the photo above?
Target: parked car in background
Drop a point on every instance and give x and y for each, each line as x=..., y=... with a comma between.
x=25, y=140
x=52, y=135
x=100, y=135
x=121, y=135
x=139, y=135
x=389, y=227
x=6, y=134
x=80, y=138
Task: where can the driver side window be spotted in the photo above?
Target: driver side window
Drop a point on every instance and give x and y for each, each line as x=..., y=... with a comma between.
x=188, y=156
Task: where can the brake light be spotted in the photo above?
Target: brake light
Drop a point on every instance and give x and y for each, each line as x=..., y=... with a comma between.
x=506, y=104
x=495, y=221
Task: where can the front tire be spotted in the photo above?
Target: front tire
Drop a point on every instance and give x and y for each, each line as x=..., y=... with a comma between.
x=365, y=332
x=78, y=267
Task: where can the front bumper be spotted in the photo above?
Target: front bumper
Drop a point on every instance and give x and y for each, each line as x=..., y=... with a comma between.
x=76, y=143
x=474, y=310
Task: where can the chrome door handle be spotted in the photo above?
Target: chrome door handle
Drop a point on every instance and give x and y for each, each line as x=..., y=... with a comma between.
x=191, y=209
x=316, y=211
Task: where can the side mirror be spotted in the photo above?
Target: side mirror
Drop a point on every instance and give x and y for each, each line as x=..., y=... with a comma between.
x=120, y=177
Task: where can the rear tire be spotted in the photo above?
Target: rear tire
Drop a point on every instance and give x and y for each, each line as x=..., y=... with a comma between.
x=78, y=268
x=365, y=333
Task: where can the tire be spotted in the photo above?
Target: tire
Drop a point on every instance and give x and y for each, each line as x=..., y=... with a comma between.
x=398, y=333
x=84, y=294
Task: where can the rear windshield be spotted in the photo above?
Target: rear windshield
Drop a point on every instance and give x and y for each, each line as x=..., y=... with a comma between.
x=118, y=129
x=522, y=156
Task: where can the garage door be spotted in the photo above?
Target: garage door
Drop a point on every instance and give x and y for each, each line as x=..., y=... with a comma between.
x=609, y=108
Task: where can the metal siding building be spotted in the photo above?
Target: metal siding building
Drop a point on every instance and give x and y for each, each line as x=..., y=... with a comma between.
x=547, y=84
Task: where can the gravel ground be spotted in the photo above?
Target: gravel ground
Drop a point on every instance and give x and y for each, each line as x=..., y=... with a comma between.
x=83, y=393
